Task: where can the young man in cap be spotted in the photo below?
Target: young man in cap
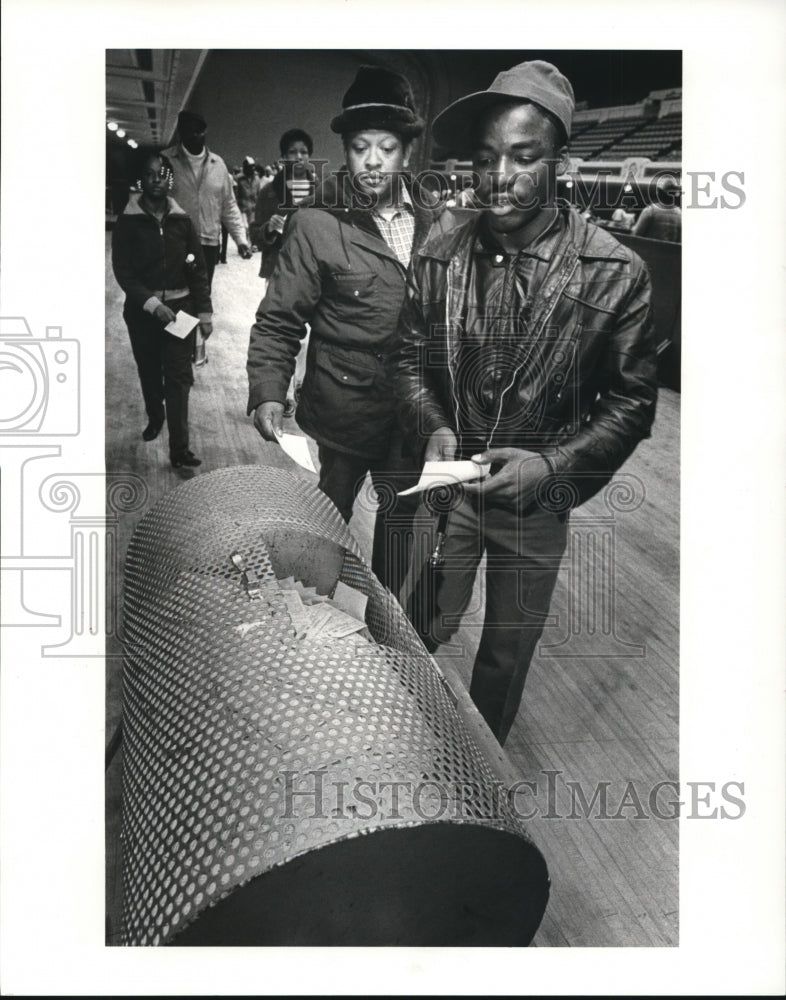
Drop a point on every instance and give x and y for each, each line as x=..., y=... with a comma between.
x=342, y=270
x=525, y=342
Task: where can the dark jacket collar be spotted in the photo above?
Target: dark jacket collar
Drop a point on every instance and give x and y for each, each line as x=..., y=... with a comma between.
x=337, y=196
x=590, y=241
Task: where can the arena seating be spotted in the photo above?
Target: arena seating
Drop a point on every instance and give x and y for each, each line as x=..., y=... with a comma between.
x=651, y=139
x=594, y=140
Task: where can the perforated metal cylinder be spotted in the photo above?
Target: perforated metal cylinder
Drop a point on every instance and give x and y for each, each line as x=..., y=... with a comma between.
x=282, y=791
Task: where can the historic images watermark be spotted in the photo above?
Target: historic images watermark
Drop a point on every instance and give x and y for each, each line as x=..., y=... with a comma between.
x=550, y=795
x=605, y=191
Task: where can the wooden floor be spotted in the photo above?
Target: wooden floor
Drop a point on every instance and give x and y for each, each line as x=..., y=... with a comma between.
x=600, y=711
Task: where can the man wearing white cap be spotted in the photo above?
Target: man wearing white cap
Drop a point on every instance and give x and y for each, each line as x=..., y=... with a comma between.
x=525, y=342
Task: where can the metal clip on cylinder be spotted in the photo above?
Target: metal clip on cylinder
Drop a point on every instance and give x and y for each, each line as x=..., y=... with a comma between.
x=250, y=579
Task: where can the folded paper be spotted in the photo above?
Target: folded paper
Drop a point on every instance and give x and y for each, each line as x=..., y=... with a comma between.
x=182, y=324
x=447, y=474
x=297, y=448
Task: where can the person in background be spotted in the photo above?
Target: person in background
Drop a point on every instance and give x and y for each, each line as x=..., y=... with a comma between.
x=291, y=185
x=621, y=219
x=203, y=187
x=158, y=261
x=525, y=344
x=342, y=269
x=662, y=220
x=248, y=187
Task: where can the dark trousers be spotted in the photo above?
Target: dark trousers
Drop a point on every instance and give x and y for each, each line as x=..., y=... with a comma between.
x=224, y=243
x=342, y=476
x=165, y=375
x=211, y=259
x=523, y=556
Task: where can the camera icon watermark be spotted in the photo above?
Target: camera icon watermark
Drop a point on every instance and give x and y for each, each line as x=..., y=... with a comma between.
x=51, y=577
x=40, y=379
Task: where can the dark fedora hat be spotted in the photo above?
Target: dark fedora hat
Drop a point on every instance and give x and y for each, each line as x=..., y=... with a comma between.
x=537, y=82
x=379, y=99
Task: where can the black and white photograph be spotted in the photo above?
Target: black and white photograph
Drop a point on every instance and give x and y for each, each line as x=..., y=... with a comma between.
x=378, y=586
x=252, y=748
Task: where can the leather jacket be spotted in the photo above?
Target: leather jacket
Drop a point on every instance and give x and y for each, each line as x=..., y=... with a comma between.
x=581, y=388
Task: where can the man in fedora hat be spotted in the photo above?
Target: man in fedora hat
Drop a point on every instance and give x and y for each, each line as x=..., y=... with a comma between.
x=342, y=269
x=526, y=344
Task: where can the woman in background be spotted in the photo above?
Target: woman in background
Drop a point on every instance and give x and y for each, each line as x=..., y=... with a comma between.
x=158, y=262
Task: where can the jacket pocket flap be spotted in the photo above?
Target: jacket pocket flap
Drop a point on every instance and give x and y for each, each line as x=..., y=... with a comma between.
x=346, y=368
x=353, y=284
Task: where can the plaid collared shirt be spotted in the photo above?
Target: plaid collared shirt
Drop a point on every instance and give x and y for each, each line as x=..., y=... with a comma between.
x=399, y=231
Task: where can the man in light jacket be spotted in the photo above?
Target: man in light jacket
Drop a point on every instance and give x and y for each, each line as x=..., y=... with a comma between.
x=203, y=187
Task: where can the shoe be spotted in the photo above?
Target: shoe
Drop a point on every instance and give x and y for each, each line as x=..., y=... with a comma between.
x=151, y=432
x=185, y=458
x=289, y=407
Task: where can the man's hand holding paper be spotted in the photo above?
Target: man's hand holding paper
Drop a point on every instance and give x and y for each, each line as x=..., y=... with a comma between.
x=514, y=486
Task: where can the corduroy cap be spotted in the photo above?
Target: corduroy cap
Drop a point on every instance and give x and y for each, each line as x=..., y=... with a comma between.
x=536, y=81
x=379, y=98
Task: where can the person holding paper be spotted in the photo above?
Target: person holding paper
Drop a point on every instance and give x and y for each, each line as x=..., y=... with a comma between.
x=158, y=262
x=342, y=270
x=525, y=342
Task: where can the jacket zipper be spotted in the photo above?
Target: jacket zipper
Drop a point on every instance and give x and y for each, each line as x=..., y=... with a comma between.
x=563, y=281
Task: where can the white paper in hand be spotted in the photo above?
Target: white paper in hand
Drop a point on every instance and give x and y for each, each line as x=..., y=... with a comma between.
x=447, y=474
x=297, y=449
x=182, y=324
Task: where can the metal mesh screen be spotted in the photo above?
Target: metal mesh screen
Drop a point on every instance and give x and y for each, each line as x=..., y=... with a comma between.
x=286, y=791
